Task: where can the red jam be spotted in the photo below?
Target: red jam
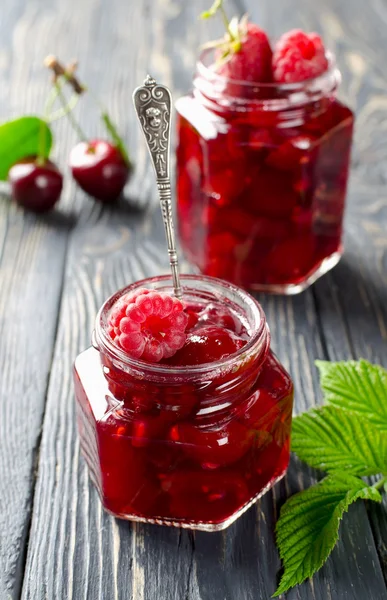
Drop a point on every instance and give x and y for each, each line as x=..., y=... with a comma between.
x=194, y=440
x=261, y=178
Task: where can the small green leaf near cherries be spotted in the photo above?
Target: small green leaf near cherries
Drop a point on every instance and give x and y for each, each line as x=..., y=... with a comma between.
x=346, y=438
x=21, y=138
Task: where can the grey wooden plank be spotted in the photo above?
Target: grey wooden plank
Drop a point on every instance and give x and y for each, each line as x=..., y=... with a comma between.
x=32, y=258
x=75, y=550
x=32, y=254
x=352, y=299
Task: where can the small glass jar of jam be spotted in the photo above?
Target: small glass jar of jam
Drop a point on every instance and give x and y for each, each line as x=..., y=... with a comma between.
x=262, y=173
x=186, y=445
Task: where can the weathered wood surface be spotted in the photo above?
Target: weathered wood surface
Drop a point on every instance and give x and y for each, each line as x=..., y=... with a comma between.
x=55, y=541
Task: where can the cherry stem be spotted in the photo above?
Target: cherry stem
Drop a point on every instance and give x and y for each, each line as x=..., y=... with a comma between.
x=67, y=73
x=41, y=157
x=111, y=129
x=74, y=123
x=117, y=139
x=62, y=112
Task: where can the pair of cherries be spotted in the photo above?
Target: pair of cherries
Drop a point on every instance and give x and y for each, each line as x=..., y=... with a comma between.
x=100, y=167
x=97, y=166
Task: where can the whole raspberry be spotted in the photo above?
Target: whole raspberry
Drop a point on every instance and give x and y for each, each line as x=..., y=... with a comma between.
x=298, y=56
x=252, y=61
x=149, y=325
x=244, y=53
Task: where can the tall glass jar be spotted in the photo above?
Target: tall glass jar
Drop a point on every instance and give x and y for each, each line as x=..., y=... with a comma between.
x=185, y=446
x=261, y=178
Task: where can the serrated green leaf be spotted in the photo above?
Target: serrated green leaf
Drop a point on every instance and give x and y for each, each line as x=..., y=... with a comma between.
x=308, y=527
x=331, y=439
x=356, y=386
x=20, y=138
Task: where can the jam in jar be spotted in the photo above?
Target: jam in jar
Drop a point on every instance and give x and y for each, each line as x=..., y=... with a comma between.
x=192, y=440
x=262, y=173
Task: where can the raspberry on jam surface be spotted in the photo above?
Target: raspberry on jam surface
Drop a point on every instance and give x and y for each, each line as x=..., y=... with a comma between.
x=156, y=327
x=148, y=325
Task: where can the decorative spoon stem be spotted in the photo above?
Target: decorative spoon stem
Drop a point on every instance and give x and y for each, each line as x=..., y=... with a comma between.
x=153, y=106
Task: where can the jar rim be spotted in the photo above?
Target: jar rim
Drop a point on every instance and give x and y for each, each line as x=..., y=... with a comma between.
x=104, y=342
x=332, y=69
x=216, y=90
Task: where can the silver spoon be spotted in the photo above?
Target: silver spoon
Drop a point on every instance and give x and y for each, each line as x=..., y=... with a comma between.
x=153, y=106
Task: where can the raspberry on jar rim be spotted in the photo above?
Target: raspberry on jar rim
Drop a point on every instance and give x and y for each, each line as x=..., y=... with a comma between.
x=298, y=56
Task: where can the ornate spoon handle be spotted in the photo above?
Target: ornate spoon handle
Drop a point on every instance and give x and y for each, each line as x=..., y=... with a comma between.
x=153, y=106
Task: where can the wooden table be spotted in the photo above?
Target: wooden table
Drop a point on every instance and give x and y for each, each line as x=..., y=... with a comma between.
x=56, y=543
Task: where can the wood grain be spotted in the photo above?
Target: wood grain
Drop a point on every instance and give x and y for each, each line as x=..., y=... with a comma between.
x=32, y=259
x=76, y=551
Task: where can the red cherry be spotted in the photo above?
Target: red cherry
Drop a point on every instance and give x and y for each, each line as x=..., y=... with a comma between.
x=201, y=496
x=213, y=314
x=212, y=447
x=298, y=151
x=261, y=411
x=34, y=186
x=205, y=345
x=99, y=169
x=271, y=194
x=292, y=258
x=127, y=485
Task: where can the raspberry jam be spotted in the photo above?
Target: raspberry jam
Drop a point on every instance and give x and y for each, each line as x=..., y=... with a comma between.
x=190, y=445
x=261, y=178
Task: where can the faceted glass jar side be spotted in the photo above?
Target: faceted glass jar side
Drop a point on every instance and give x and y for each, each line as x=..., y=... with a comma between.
x=185, y=446
x=261, y=179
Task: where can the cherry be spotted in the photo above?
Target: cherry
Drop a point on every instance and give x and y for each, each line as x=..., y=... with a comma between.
x=35, y=186
x=136, y=491
x=212, y=447
x=261, y=412
x=213, y=314
x=205, y=345
x=202, y=496
x=100, y=169
x=292, y=258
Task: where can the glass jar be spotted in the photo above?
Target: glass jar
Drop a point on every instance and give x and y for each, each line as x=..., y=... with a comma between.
x=261, y=178
x=190, y=446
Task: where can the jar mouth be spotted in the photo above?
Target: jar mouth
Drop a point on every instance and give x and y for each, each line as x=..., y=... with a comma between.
x=214, y=85
x=259, y=334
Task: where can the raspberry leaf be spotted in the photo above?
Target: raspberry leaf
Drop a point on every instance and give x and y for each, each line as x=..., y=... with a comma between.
x=308, y=527
x=356, y=386
x=22, y=137
x=332, y=439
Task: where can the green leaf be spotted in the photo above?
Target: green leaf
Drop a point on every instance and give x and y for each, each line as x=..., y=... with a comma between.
x=332, y=439
x=356, y=386
x=26, y=136
x=308, y=527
